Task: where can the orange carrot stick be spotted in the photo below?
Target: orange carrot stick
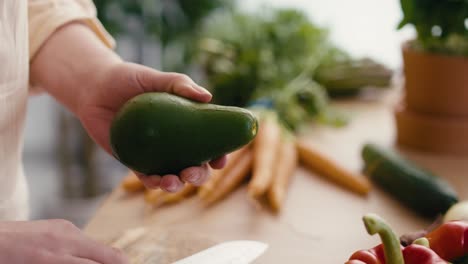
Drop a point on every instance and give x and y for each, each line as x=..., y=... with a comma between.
x=158, y=197
x=233, y=178
x=286, y=164
x=218, y=175
x=265, y=148
x=154, y=196
x=323, y=165
x=132, y=184
x=187, y=191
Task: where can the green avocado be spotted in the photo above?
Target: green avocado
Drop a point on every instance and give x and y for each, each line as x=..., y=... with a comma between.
x=161, y=133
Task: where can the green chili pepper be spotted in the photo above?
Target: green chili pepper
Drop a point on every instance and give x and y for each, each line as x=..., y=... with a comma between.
x=392, y=249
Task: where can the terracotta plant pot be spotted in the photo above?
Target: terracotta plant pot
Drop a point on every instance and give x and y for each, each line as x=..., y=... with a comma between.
x=436, y=84
x=431, y=133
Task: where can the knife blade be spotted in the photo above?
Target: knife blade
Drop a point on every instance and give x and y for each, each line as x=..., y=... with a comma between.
x=232, y=252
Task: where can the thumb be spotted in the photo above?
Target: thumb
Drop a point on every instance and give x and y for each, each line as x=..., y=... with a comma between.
x=151, y=80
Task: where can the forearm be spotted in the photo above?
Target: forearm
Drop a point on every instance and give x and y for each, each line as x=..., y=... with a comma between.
x=82, y=73
x=69, y=64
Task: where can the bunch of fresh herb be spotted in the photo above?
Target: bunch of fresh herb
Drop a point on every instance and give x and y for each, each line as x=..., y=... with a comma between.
x=280, y=57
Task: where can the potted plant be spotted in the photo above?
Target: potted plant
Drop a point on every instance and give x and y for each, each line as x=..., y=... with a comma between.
x=434, y=113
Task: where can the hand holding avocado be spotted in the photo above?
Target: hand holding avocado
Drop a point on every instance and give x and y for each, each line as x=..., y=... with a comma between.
x=161, y=133
x=124, y=81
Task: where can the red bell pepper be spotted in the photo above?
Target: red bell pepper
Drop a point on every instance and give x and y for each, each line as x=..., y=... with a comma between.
x=450, y=240
x=371, y=256
x=390, y=251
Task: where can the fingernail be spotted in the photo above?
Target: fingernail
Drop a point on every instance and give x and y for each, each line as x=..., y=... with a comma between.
x=201, y=90
x=153, y=182
x=173, y=187
x=193, y=177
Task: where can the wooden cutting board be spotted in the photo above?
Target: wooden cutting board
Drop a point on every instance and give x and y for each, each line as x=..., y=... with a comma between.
x=320, y=223
x=151, y=245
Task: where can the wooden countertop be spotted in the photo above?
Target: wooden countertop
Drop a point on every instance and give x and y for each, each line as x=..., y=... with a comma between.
x=321, y=222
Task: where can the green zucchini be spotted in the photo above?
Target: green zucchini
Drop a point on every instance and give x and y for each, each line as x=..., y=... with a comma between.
x=415, y=187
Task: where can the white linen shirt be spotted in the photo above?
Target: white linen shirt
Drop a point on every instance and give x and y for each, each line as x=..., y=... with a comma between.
x=24, y=27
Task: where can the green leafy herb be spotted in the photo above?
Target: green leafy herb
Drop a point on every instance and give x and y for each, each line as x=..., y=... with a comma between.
x=281, y=56
x=441, y=25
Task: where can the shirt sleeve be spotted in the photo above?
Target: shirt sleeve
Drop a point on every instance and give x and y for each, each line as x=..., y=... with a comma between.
x=46, y=16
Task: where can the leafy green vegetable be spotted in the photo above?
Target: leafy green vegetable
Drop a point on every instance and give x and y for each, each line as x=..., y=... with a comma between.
x=258, y=53
x=246, y=57
x=276, y=55
x=303, y=99
x=441, y=25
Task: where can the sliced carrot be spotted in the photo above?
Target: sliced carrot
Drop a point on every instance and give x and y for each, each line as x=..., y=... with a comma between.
x=286, y=164
x=132, y=184
x=218, y=175
x=209, y=185
x=158, y=197
x=265, y=148
x=154, y=196
x=233, y=178
x=323, y=165
x=187, y=191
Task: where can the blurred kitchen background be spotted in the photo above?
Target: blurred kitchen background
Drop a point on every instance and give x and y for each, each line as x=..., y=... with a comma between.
x=69, y=177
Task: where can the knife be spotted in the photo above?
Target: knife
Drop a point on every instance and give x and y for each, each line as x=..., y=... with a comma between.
x=232, y=252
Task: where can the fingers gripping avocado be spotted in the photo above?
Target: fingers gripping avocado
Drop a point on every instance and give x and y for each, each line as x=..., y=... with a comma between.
x=161, y=133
